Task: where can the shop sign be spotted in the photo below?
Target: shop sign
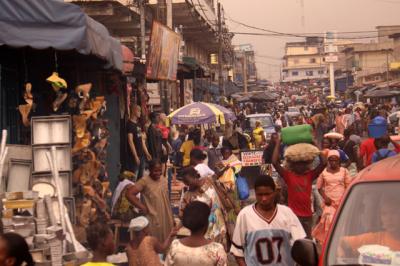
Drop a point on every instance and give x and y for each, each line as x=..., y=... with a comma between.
x=331, y=59
x=162, y=63
x=251, y=158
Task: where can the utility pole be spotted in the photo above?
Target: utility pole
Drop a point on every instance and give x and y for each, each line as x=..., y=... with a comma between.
x=164, y=15
x=142, y=9
x=220, y=52
x=332, y=79
x=244, y=72
x=387, y=68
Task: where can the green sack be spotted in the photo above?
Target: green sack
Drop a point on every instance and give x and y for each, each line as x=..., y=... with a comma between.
x=297, y=134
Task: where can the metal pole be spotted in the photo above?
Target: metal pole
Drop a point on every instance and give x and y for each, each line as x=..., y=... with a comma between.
x=143, y=30
x=244, y=68
x=169, y=13
x=332, y=79
x=143, y=38
x=220, y=53
x=387, y=68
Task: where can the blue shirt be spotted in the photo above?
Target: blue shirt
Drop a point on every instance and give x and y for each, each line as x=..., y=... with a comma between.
x=384, y=153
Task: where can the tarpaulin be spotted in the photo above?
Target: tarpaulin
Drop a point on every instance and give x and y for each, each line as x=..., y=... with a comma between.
x=42, y=24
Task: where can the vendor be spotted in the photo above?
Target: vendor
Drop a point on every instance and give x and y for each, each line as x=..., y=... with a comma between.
x=121, y=207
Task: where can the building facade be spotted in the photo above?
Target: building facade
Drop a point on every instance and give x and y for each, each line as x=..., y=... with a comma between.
x=244, y=54
x=304, y=61
x=369, y=62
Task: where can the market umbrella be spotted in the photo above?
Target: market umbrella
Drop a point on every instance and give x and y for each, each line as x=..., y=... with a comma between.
x=264, y=96
x=227, y=113
x=200, y=113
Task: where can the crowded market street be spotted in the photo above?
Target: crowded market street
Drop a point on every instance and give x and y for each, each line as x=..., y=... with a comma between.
x=199, y=133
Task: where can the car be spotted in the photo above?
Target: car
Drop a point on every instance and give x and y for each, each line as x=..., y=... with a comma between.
x=366, y=226
x=267, y=123
x=393, y=120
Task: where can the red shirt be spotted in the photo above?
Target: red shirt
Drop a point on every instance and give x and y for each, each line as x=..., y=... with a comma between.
x=367, y=148
x=164, y=131
x=299, y=192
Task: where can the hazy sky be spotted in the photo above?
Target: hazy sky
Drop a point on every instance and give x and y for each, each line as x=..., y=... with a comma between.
x=319, y=16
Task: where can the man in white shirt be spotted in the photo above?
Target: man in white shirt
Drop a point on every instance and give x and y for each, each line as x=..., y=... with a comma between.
x=265, y=231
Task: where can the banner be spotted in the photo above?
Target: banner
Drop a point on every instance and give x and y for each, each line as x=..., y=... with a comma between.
x=251, y=158
x=162, y=60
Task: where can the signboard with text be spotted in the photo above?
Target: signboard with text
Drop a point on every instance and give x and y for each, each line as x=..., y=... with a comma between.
x=251, y=158
x=162, y=60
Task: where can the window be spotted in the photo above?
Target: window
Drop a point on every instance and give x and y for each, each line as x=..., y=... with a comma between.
x=321, y=72
x=313, y=60
x=310, y=73
x=369, y=212
x=295, y=73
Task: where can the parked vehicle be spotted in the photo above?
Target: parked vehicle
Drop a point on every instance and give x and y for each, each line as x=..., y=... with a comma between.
x=393, y=121
x=366, y=227
x=267, y=123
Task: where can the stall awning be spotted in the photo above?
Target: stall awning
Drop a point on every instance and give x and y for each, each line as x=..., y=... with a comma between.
x=43, y=24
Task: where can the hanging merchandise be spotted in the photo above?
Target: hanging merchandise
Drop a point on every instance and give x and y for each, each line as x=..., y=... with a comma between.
x=25, y=109
x=59, y=86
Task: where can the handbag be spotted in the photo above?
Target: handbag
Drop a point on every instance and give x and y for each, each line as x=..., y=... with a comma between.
x=242, y=187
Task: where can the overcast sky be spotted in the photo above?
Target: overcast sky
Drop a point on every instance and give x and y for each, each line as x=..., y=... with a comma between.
x=319, y=16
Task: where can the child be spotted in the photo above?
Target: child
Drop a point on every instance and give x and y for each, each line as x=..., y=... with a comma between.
x=144, y=249
x=101, y=241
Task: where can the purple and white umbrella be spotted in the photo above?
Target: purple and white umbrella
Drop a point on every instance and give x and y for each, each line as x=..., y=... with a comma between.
x=201, y=113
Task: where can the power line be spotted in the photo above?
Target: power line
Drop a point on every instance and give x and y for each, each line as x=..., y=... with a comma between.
x=274, y=33
x=287, y=36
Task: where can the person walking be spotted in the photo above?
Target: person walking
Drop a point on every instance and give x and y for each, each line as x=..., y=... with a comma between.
x=299, y=177
x=204, y=190
x=196, y=249
x=331, y=184
x=265, y=224
x=155, y=202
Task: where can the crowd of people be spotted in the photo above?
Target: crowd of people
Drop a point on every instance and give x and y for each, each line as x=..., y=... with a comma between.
x=292, y=199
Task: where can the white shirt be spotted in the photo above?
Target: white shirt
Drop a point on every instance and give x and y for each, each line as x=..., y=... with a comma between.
x=262, y=241
x=204, y=170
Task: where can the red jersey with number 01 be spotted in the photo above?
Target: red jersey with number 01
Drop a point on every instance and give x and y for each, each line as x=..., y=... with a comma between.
x=299, y=192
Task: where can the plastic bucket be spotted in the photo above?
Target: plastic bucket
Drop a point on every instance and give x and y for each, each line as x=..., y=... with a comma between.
x=377, y=131
x=378, y=127
x=297, y=134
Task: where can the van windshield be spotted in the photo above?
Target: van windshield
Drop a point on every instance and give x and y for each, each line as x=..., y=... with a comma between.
x=367, y=231
x=266, y=121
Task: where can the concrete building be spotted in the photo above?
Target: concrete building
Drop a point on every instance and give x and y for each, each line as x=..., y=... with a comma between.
x=369, y=62
x=196, y=22
x=244, y=53
x=304, y=61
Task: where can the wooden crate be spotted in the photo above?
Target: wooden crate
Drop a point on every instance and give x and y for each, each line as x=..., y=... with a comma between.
x=41, y=163
x=52, y=130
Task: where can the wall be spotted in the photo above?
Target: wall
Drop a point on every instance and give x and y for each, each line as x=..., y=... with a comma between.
x=301, y=50
x=296, y=61
x=372, y=62
x=304, y=73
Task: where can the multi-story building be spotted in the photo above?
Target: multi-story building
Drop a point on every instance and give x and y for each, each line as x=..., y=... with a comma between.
x=304, y=61
x=244, y=54
x=369, y=62
x=195, y=20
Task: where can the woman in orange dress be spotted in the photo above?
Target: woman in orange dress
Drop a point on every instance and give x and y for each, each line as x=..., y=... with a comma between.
x=331, y=184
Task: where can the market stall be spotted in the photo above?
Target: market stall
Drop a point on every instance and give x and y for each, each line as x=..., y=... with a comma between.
x=68, y=72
